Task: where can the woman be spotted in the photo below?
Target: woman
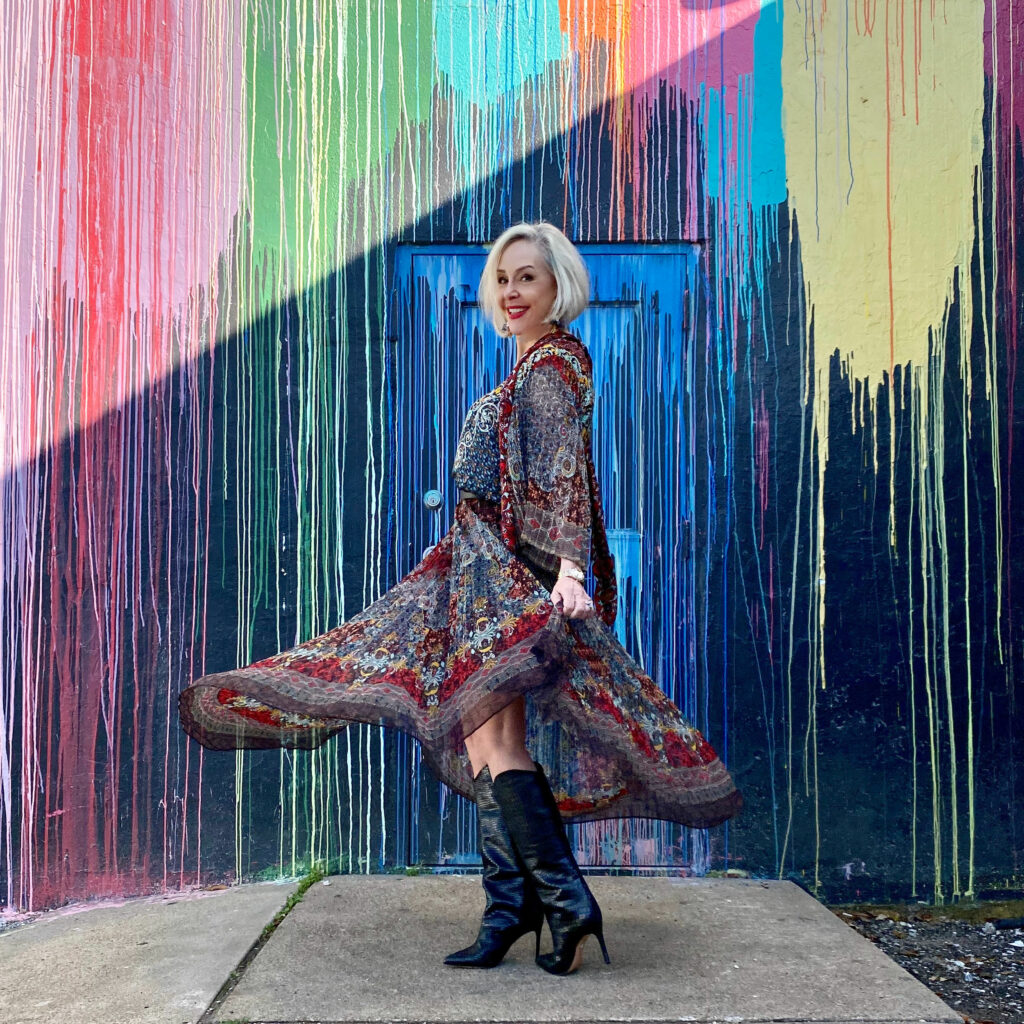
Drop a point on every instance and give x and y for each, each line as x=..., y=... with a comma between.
x=495, y=626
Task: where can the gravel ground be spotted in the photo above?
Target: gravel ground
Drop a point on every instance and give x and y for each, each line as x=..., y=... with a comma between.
x=972, y=956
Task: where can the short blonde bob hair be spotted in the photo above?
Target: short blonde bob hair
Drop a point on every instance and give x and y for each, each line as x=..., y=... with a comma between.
x=572, y=282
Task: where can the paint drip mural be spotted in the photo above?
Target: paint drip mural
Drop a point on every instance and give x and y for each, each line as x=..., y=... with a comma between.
x=231, y=233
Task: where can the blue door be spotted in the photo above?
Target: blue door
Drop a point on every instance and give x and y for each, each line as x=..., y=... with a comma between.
x=639, y=331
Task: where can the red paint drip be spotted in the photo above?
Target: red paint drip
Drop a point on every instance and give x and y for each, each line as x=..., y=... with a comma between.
x=131, y=195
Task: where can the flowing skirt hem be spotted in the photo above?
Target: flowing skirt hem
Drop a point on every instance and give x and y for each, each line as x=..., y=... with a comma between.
x=468, y=631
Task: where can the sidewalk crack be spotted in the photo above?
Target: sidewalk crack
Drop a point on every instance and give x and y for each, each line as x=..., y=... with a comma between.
x=209, y=1015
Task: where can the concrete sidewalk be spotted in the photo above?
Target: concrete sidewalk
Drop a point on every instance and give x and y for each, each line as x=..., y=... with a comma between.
x=148, y=961
x=360, y=948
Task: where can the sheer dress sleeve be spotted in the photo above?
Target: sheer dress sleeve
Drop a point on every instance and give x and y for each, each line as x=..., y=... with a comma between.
x=553, y=413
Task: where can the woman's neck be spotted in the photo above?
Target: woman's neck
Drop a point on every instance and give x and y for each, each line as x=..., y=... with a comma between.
x=523, y=345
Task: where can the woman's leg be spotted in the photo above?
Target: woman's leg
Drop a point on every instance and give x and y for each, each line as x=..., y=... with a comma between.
x=512, y=909
x=500, y=743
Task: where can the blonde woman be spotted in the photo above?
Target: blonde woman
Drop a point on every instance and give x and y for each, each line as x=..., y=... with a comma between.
x=496, y=624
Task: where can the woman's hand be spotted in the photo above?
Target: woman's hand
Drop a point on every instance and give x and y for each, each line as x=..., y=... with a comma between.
x=572, y=599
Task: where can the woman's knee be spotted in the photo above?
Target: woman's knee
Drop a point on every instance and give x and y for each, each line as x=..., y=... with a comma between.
x=502, y=738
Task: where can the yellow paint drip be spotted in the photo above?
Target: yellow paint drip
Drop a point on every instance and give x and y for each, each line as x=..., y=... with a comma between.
x=882, y=113
x=882, y=179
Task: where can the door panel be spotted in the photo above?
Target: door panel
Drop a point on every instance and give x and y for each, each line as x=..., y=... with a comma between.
x=638, y=331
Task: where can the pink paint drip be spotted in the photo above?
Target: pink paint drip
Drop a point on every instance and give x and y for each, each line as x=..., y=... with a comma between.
x=654, y=41
x=1004, y=46
x=655, y=44
x=1004, y=65
x=762, y=461
x=129, y=152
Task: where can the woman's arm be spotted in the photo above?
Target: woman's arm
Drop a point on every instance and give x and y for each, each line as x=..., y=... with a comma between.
x=553, y=495
x=550, y=485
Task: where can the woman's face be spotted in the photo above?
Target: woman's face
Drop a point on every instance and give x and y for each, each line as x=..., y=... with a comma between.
x=526, y=290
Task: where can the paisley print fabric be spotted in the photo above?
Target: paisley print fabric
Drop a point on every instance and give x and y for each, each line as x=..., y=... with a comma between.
x=472, y=628
x=477, y=459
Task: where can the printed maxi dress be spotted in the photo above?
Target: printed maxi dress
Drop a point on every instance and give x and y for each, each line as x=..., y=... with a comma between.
x=472, y=627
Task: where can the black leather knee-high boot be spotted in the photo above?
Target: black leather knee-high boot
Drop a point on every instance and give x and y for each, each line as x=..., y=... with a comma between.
x=512, y=908
x=531, y=813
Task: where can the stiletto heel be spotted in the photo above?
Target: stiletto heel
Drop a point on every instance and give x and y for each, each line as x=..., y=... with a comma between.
x=535, y=825
x=568, y=953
